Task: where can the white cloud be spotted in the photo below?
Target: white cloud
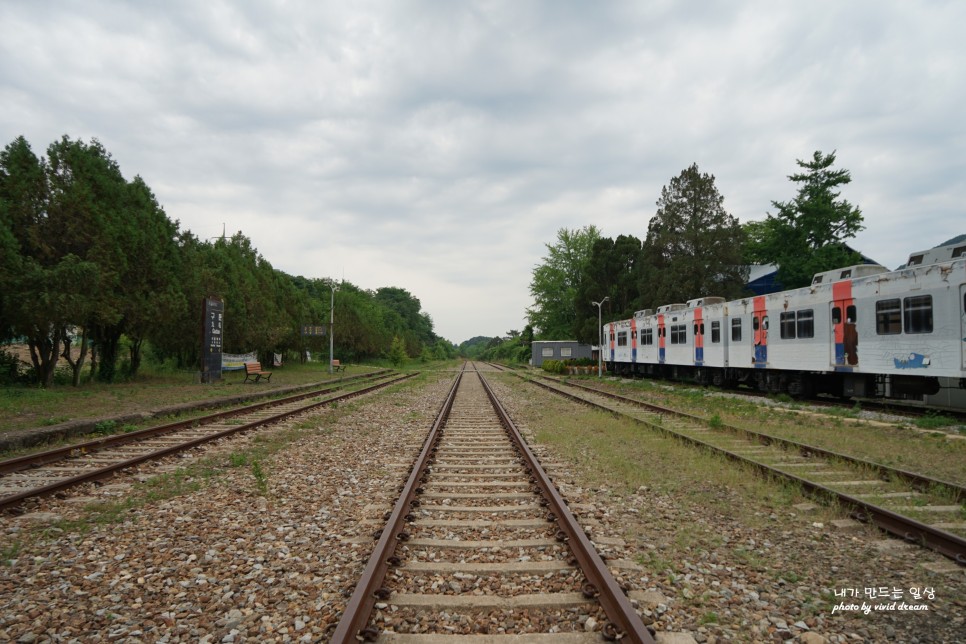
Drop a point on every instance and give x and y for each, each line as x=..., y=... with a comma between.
x=439, y=146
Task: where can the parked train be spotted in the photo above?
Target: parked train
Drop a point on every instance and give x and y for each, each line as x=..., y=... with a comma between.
x=860, y=331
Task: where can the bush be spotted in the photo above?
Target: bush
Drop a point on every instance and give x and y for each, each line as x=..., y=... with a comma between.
x=555, y=366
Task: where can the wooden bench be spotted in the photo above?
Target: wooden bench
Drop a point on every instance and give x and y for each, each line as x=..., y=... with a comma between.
x=337, y=366
x=254, y=371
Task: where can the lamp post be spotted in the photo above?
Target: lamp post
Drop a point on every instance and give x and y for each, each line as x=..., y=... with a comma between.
x=600, y=338
x=332, y=324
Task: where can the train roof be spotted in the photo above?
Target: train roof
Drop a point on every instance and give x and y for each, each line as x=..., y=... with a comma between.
x=937, y=255
x=849, y=272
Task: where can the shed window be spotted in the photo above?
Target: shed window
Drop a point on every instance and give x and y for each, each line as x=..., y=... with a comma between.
x=888, y=317
x=547, y=352
x=566, y=352
x=917, y=314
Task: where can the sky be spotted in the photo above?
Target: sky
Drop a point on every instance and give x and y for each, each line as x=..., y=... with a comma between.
x=439, y=146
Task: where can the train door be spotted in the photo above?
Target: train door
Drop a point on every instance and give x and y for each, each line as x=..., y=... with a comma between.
x=845, y=338
x=633, y=345
x=759, y=324
x=698, y=337
x=660, y=339
x=610, y=336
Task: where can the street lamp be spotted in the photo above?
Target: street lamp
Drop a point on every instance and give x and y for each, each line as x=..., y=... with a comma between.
x=332, y=323
x=600, y=338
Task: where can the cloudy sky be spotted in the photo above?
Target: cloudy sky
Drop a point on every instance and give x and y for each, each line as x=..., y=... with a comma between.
x=438, y=146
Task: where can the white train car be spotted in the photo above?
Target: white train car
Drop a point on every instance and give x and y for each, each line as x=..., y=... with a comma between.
x=856, y=331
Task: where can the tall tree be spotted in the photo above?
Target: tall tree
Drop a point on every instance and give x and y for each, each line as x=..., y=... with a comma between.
x=614, y=271
x=807, y=235
x=44, y=286
x=693, y=246
x=554, y=283
x=87, y=218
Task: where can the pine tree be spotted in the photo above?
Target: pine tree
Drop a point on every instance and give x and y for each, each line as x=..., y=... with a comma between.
x=693, y=246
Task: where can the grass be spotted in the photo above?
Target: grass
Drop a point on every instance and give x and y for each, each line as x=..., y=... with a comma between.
x=933, y=454
x=24, y=407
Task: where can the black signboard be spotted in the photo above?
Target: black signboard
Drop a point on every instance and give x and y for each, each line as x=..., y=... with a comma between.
x=314, y=330
x=214, y=319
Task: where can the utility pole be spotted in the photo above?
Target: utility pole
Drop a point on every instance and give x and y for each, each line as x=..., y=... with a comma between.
x=332, y=324
x=600, y=338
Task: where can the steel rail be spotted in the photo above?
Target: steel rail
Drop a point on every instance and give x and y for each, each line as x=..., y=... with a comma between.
x=108, y=471
x=903, y=527
x=355, y=618
x=615, y=604
x=920, y=481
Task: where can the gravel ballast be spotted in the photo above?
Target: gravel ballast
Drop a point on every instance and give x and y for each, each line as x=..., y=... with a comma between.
x=270, y=553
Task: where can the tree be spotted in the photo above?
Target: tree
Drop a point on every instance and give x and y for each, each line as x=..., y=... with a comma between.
x=807, y=235
x=555, y=282
x=614, y=271
x=693, y=246
x=397, y=352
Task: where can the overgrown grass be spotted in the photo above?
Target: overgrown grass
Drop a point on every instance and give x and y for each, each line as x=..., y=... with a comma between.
x=836, y=429
x=23, y=407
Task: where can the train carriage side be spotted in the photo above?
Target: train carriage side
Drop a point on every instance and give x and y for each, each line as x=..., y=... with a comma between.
x=912, y=329
x=621, y=352
x=648, y=343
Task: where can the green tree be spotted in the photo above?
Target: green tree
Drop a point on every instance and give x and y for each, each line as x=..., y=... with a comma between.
x=555, y=282
x=44, y=287
x=693, y=246
x=614, y=271
x=807, y=235
x=397, y=352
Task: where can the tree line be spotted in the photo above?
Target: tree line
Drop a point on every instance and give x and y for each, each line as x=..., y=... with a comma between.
x=93, y=271
x=693, y=248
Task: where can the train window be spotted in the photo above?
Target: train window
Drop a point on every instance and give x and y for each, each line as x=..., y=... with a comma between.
x=634, y=334
x=888, y=317
x=917, y=314
x=736, y=330
x=755, y=323
x=715, y=332
x=647, y=337
x=764, y=323
x=786, y=324
x=850, y=314
x=805, y=323
x=959, y=251
x=622, y=338
x=836, y=315
x=915, y=260
x=679, y=334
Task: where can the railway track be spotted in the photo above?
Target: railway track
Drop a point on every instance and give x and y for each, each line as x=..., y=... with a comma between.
x=480, y=542
x=57, y=470
x=911, y=506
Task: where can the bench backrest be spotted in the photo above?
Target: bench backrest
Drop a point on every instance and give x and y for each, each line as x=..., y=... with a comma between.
x=336, y=363
x=253, y=367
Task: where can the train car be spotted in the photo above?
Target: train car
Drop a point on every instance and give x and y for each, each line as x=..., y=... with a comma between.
x=858, y=331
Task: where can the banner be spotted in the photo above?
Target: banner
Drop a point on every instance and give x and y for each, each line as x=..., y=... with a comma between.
x=236, y=361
